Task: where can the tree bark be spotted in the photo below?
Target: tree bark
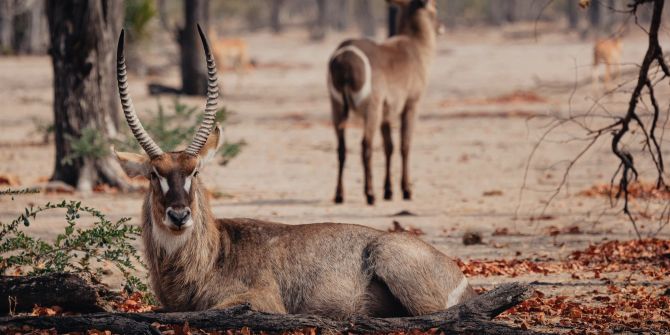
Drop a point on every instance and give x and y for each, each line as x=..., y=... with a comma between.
x=82, y=35
x=69, y=291
x=193, y=66
x=470, y=317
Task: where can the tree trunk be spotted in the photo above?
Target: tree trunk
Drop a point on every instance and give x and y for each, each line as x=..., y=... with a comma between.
x=193, y=67
x=320, y=27
x=275, y=15
x=366, y=18
x=30, y=29
x=595, y=15
x=6, y=25
x=83, y=35
x=572, y=11
x=339, y=19
x=392, y=20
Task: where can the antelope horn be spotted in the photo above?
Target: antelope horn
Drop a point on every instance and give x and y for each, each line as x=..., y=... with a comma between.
x=149, y=146
x=207, y=124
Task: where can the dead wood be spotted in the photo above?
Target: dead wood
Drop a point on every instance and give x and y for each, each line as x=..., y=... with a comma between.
x=69, y=291
x=470, y=317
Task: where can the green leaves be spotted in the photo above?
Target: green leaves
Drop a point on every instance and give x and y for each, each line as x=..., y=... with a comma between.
x=76, y=249
x=91, y=144
x=174, y=130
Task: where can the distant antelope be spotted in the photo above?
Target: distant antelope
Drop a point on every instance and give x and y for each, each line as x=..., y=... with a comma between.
x=608, y=53
x=382, y=82
x=198, y=262
x=231, y=54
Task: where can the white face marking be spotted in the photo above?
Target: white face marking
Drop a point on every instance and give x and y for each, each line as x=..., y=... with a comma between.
x=187, y=183
x=455, y=295
x=168, y=241
x=165, y=187
x=365, y=91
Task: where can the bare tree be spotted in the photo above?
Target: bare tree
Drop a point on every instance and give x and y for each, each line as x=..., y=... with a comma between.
x=366, y=18
x=572, y=12
x=193, y=67
x=633, y=121
x=82, y=35
x=275, y=17
x=23, y=26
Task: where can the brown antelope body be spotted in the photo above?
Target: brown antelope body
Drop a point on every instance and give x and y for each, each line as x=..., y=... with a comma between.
x=381, y=83
x=231, y=54
x=608, y=53
x=198, y=262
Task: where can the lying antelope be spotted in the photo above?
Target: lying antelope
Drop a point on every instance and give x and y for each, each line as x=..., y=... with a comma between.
x=198, y=262
x=608, y=53
x=382, y=82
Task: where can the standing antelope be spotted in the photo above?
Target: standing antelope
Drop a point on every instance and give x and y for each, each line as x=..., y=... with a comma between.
x=381, y=82
x=198, y=262
x=608, y=53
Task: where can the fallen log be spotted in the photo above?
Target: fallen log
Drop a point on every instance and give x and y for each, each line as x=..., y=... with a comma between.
x=472, y=316
x=69, y=291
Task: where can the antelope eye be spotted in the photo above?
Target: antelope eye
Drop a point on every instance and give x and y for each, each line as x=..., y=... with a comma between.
x=154, y=175
x=195, y=174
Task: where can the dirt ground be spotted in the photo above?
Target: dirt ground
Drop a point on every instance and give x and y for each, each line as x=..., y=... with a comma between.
x=490, y=100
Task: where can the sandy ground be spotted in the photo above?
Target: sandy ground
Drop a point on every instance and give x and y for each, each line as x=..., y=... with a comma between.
x=465, y=146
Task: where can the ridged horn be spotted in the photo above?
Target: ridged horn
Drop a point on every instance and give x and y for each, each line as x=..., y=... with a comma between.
x=148, y=144
x=207, y=124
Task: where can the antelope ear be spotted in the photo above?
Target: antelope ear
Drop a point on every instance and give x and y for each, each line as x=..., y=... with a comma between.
x=133, y=164
x=214, y=142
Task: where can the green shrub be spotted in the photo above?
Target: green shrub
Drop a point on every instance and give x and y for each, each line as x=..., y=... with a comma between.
x=172, y=130
x=76, y=250
x=91, y=144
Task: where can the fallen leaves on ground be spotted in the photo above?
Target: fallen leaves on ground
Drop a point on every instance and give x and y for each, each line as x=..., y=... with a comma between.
x=650, y=257
x=627, y=306
x=398, y=228
x=46, y=311
x=516, y=97
x=636, y=190
x=135, y=303
x=618, y=309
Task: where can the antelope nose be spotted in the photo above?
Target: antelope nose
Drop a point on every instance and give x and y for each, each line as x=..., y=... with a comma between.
x=179, y=216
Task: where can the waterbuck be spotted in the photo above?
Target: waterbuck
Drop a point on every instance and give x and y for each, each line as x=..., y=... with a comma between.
x=199, y=262
x=383, y=82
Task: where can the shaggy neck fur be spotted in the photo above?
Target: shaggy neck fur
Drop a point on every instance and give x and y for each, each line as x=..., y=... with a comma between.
x=180, y=262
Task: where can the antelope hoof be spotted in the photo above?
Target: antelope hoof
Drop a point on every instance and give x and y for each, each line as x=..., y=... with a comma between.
x=371, y=199
x=339, y=199
x=388, y=194
x=407, y=195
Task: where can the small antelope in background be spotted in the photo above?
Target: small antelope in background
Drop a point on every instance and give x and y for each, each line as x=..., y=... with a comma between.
x=199, y=262
x=608, y=53
x=383, y=82
x=231, y=54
